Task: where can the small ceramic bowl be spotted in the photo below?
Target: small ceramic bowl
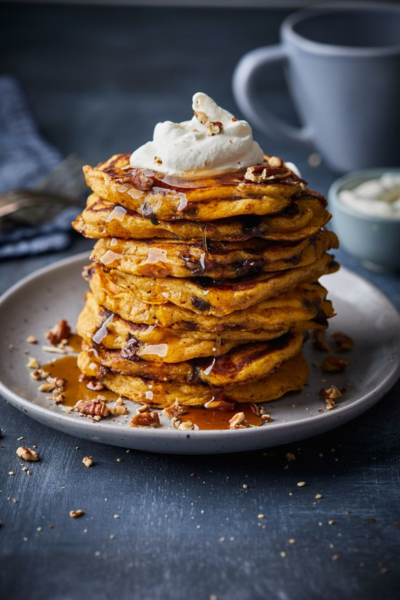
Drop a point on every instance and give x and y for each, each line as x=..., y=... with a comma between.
x=375, y=240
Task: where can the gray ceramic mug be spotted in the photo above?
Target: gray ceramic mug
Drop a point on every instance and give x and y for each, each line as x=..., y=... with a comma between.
x=343, y=71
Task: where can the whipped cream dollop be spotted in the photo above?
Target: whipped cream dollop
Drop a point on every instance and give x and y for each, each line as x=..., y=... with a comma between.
x=212, y=142
x=375, y=197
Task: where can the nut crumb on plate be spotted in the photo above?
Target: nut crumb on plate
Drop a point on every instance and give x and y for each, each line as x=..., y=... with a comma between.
x=32, y=363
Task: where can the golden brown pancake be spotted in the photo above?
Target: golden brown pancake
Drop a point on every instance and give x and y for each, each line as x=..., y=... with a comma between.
x=206, y=297
x=101, y=328
x=291, y=376
x=170, y=258
x=302, y=219
x=262, y=315
x=155, y=194
x=244, y=363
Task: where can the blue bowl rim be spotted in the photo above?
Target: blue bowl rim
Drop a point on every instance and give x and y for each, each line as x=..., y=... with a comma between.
x=365, y=174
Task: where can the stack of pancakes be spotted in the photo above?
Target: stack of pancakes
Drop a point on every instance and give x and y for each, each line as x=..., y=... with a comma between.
x=201, y=290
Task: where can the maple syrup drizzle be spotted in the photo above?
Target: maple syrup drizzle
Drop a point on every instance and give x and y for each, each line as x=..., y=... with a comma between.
x=66, y=367
x=202, y=418
x=75, y=342
x=207, y=419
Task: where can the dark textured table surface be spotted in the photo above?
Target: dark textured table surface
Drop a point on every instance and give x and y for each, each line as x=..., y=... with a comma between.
x=98, y=80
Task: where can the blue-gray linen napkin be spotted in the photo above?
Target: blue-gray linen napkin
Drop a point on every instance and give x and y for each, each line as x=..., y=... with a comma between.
x=25, y=159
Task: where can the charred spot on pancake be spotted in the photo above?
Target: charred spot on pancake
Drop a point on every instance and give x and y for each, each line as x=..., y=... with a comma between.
x=130, y=349
x=191, y=209
x=189, y=325
x=295, y=260
x=250, y=226
x=308, y=305
x=292, y=210
x=200, y=304
x=249, y=267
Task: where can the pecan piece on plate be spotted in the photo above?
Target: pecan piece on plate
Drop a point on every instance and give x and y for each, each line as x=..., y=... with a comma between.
x=343, y=343
x=58, y=333
x=145, y=419
x=334, y=364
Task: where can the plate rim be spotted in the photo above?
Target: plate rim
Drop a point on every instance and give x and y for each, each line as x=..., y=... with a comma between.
x=368, y=399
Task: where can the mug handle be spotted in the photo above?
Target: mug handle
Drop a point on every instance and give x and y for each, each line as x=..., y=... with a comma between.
x=244, y=80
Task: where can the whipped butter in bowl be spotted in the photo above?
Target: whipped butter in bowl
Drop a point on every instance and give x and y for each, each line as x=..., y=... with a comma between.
x=366, y=216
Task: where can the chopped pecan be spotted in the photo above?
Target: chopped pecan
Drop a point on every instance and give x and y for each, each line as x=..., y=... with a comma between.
x=58, y=397
x=186, y=426
x=39, y=374
x=141, y=181
x=76, y=513
x=95, y=386
x=275, y=161
x=145, y=419
x=119, y=409
x=93, y=408
x=27, y=454
x=32, y=363
x=238, y=421
x=61, y=331
x=52, y=383
x=319, y=342
x=213, y=127
x=262, y=173
x=266, y=417
x=334, y=364
x=343, y=343
x=201, y=116
x=174, y=410
x=330, y=395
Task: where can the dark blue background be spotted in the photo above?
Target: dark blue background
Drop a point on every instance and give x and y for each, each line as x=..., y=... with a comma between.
x=98, y=79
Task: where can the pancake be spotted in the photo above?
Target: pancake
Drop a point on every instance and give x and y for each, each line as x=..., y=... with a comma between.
x=170, y=258
x=290, y=376
x=202, y=296
x=119, y=300
x=244, y=363
x=303, y=218
x=102, y=328
x=155, y=194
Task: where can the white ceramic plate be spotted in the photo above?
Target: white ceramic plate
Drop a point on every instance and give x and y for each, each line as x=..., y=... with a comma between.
x=36, y=303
